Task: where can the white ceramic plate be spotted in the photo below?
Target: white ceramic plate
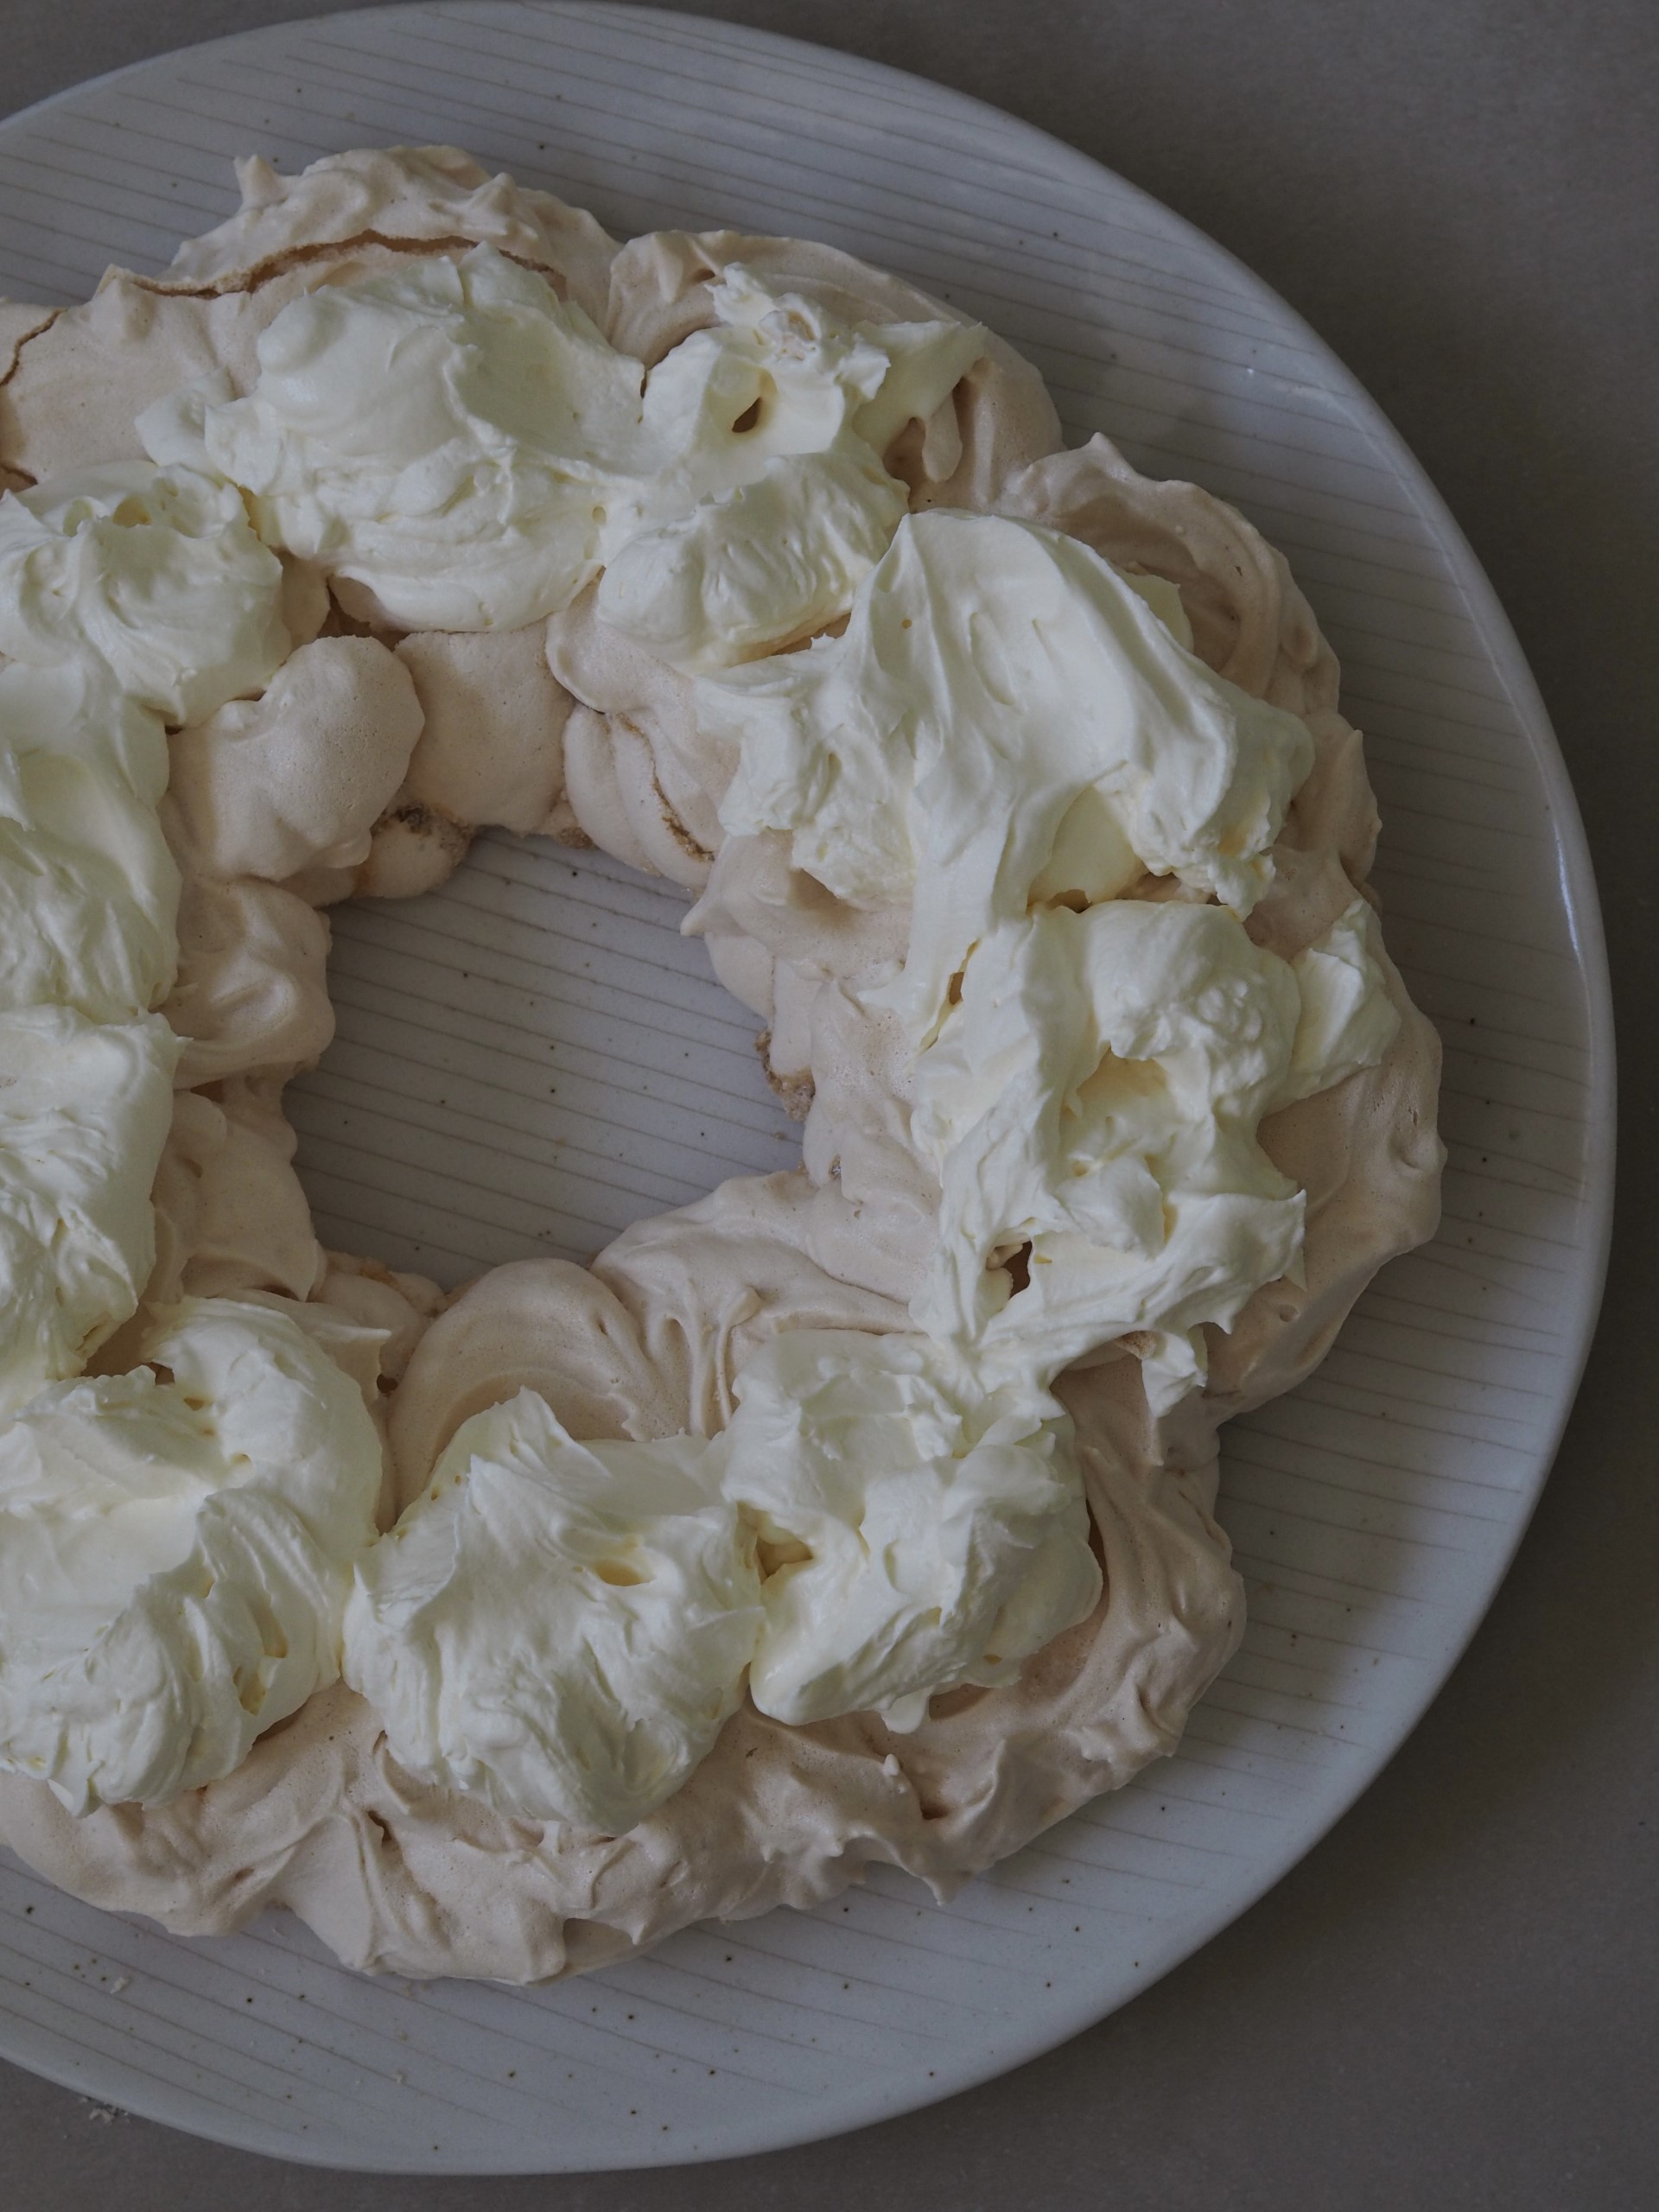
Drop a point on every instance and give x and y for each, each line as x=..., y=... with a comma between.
x=532, y=1057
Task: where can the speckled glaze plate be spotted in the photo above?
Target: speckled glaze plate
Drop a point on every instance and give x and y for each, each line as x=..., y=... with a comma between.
x=532, y=1057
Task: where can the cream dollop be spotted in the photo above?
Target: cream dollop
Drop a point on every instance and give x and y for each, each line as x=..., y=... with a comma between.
x=85, y=1109
x=89, y=888
x=560, y=1629
x=437, y=436
x=1092, y=1106
x=921, y=1532
x=152, y=574
x=758, y=567
x=128, y=596
x=469, y=451
x=774, y=525
x=1005, y=719
x=1348, y=1021
x=76, y=710
x=89, y=892
x=176, y=1547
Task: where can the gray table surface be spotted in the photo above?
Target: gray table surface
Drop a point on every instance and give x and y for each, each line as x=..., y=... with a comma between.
x=1454, y=2002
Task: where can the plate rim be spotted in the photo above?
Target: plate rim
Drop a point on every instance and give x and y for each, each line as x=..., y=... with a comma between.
x=1580, y=906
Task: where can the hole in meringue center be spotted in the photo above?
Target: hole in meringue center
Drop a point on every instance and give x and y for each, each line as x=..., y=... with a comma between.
x=526, y=1060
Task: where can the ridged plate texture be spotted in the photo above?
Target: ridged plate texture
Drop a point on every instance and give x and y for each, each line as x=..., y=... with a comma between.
x=532, y=1057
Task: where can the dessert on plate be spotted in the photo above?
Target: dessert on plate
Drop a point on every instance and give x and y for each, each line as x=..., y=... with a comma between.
x=858, y=1513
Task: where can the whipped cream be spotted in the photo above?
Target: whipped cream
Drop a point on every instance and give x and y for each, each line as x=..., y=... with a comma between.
x=560, y=1629
x=920, y=1531
x=436, y=435
x=1348, y=1021
x=89, y=892
x=131, y=597
x=85, y=1109
x=772, y=527
x=470, y=452
x=75, y=710
x=153, y=576
x=1092, y=1104
x=176, y=1547
x=1005, y=719
x=757, y=567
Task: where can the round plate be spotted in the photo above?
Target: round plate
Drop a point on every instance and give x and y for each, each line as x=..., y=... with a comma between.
x=531, y=1058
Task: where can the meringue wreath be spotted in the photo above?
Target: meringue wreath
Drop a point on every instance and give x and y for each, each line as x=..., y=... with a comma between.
x=857, y=1513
